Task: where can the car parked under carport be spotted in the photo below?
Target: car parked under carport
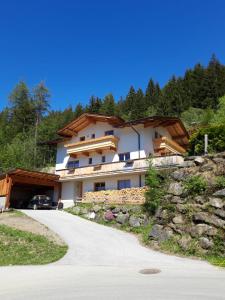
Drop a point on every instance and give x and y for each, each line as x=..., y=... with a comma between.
x=17, y=187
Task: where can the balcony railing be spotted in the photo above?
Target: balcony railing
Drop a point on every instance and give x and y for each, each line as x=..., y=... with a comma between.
x=165, y=145
x=105, y=143
x=123, y=167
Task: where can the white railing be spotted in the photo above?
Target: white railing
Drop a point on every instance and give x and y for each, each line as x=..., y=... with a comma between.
x=133, y=166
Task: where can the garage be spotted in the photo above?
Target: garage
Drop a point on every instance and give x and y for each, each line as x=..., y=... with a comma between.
x=17, y=187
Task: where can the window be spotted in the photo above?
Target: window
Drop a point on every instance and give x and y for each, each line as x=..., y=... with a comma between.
x=124, y=156
x=103, y=158
x=90, y=160
x=82, y=138
x=157, y=135
x=99, y=186
x=123, y=184
x=93, y=136
x=73, y=164
x=109, y=132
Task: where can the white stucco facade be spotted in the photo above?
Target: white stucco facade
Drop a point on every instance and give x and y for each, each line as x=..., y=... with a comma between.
x=128, y=142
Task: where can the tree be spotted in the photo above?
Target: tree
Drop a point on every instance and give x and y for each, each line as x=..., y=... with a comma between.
x=22, y=108
x=95, y=104
x=219, y=116
x=108, y=106
x=79, y=110
x=41, y=104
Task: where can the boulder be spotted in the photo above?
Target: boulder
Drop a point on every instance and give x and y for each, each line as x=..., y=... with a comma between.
x=205, y=243
x=199, y=229
x=122, y=218
x=181, y=208
x=177, y=199
x=109, y=216
x=116, y=210
x=91, y=215
x=76, y=210
x=178, y=175
x=220, y=193
x=96, y=208
x=199, y=160
x=175, y=188
x=178, y=219
x=188, y=164
x=216, y=202
x=158, y=233
x=208, y=219
x=220, y=213
x=185, y=242
x=200, y=199
x=83, y=211
x=134, y=221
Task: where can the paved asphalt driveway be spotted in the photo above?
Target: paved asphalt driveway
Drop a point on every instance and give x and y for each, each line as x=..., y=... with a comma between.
x=104, y=263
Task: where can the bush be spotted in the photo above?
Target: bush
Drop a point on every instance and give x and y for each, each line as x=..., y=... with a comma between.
x=195, y=184
x=155, y=191
x=220, y=182
x=216, y=139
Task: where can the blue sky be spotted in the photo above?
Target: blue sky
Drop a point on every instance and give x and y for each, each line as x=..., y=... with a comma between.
x=83, y=48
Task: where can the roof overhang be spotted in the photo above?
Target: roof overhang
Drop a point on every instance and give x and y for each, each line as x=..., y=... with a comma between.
x=85, y=120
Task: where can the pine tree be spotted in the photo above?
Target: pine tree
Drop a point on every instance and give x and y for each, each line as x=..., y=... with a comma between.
x=79, y=110
x=108, y=106
x=95, y=104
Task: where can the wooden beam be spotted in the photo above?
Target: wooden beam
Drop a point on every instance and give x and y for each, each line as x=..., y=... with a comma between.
x=10, y=183
x=99, y=152
x=85, y=154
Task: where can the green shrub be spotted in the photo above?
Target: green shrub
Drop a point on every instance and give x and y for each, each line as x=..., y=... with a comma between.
x=153, y=195
x=220, y=182
x=216, y=139
x=195, y=185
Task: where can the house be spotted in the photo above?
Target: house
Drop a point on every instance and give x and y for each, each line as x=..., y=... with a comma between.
x=99, y=157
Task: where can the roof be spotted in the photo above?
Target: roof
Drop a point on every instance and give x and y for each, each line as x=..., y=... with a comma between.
x=86, y=119
x=31, y=174
x=174, y=125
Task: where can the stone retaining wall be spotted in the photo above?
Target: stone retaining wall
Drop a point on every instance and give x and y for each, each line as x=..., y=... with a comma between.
x=124, y=196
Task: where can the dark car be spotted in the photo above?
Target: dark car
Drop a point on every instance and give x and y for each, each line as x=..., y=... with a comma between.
x=40, y=201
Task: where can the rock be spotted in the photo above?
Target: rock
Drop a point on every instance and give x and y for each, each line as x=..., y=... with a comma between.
x=76, y=210
x=220, y=193
x=209, y=219
x=109, y=216
x=220, y=213
x=91, y=215
x=188, y=164
x=175, y=189
x=181, y=208
x=199, y=160
x=206, y=168
x=185, y=242
x=177, y=199
x=158, y=233
x=200, y=199
x=212, y=231
x=83, y=211
x=134, y=222
x=178, y=175
x=122, y=218
x=216, y=202
x=96, y=208
x=199, y=229
x=178, y=220
x=205, y=243
x=124, y=210
x=116, y=210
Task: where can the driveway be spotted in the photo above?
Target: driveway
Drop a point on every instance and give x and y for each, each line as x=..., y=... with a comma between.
x=104, y=263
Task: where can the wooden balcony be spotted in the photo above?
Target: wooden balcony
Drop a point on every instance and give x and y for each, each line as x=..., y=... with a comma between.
x=136, y=166
x=99, y=145
x=164, y=145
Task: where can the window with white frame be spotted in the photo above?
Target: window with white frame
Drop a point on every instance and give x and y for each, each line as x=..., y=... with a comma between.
x=124, y=156
x=73, y=164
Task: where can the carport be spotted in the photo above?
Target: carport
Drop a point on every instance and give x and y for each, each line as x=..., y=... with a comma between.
x=18, y=186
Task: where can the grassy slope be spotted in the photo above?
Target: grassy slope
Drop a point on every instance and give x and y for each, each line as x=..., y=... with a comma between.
x=23, y=248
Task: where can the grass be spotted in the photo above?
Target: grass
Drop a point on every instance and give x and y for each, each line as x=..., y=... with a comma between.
x=18, y=247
